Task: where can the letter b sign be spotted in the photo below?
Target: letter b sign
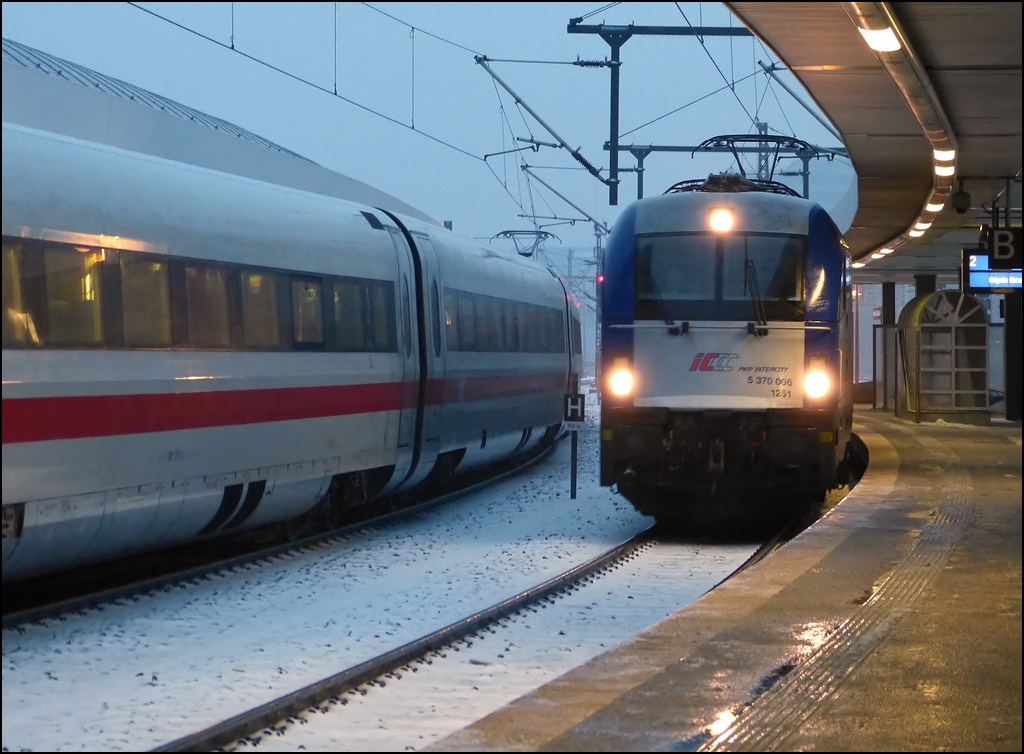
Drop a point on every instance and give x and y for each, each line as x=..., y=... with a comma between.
x=1004, y=251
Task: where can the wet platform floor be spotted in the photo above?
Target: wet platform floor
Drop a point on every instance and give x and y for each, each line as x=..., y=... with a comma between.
x=894, y=623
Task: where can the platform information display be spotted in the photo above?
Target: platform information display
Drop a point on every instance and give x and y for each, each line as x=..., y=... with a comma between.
x=978, y=277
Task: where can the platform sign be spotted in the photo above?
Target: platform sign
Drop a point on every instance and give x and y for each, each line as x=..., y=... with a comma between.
x=574, y=413
x=978, y=276
x=1004, y=252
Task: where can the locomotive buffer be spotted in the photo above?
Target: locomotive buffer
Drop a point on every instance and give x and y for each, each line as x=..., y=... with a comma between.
x=574, y=419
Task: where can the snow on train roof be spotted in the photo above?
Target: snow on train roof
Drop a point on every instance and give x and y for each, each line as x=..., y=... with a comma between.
x=187, y=135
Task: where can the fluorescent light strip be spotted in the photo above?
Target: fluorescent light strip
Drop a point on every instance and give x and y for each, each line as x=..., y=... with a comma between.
x=944, y=170
x=937, y=207
x=857, y=265
x=916, y=233
x=881, y=40
x=944, y=155
x=923, y=226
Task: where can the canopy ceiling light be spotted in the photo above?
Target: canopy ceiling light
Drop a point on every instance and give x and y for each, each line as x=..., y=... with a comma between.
x=881, y=29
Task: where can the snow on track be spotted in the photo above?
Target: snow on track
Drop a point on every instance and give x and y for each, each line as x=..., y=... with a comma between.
x=150, y=670
x=525, y=652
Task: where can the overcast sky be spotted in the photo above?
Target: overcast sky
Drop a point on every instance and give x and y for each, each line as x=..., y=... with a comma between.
x=455, y=99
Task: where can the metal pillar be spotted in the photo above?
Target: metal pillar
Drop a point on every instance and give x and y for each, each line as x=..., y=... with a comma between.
x=888, y=303
x=924, y=284
x=1011, y=355
x=615, y=40
x=616, y=36
x=640, y=153
x=1011, y=332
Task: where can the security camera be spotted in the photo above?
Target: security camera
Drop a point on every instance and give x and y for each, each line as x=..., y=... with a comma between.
x=961, y=202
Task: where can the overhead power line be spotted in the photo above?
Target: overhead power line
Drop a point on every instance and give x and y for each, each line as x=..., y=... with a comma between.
x=306, y=82
x=421, y=31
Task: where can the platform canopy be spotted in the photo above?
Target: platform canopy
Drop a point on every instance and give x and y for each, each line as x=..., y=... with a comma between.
x=967, y=56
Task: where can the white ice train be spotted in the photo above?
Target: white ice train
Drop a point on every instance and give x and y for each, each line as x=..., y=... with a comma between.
x=188, y=352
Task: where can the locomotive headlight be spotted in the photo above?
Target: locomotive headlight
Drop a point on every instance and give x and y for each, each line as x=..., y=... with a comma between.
x=720, y=220
x=817, y=383
x=620, y=381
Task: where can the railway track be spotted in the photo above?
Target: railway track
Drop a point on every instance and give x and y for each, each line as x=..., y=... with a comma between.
x=52, y=608
x=272, y=718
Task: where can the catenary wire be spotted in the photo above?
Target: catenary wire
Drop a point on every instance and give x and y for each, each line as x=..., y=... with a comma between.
x=307, y=82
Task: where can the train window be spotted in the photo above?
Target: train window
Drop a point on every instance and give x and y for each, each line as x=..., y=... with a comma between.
x=73, y=296
x=467, y=323
x=145, y=300
x=349, y=322
x=260, y=317
x=777, y=262
x=577, y=336
x=451, y=320
x=527, y=328
x=436, y=301
x=510, y=312
x=543, y=328
x=498, y=323
x=406, y=317
x=307, y=312
x=381, y=297
x=484, y=323
x=206, y=302
x=557, y=320
x=695, y=276
x=675, y=268
x=17, y=322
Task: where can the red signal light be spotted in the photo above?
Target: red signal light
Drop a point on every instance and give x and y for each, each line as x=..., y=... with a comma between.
x=600, y=278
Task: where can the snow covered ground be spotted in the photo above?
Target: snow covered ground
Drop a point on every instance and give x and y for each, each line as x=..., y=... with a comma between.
x=416, y=709
x=143, y=673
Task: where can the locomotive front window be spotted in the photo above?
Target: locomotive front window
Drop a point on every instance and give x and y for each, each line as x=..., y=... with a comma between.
x=699, y=276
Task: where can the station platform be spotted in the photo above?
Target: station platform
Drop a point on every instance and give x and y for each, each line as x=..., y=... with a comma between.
x=893, y=623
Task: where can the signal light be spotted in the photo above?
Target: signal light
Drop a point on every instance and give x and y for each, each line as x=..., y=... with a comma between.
x=600, y=278
x=720, y=219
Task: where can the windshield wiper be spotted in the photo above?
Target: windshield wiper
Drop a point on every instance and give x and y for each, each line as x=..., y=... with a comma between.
x=673, y=328
x=750, y=285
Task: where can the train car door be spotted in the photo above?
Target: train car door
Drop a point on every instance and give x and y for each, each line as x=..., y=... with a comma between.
x=408, y=347
x=434, y=327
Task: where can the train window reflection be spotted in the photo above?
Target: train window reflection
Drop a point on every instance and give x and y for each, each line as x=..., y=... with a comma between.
x=73, y=296
x=467, y=323
x=382, y=316
x=436, y=301
x=307, y=312
x=675, y=268
x=406, y=317
x=260, y=323
x=701, y=276
x=145, y=300
x=206, y=302
x=778, y=264
x=512, y=327
x=17, y=323
x=348, y=315
x=451, y=320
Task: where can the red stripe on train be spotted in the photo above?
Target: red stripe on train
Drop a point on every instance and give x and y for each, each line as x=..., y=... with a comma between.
x=71, y=417
x=76, y=417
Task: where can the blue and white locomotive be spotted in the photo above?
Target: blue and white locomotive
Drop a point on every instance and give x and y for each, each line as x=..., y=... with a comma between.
x=726, y=350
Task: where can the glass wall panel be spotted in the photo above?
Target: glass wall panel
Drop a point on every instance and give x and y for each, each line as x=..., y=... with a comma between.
x=145, y=300
x=73, y=295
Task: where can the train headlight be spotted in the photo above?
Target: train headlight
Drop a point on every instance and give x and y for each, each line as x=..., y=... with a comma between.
x=817, y=383
x=620, y=381
x=720, y=220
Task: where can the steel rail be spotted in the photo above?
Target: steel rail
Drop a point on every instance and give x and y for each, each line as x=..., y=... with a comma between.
x=267, y=715
x=155, y=583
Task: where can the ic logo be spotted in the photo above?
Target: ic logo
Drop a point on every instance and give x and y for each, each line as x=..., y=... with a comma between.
x=713, y=362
